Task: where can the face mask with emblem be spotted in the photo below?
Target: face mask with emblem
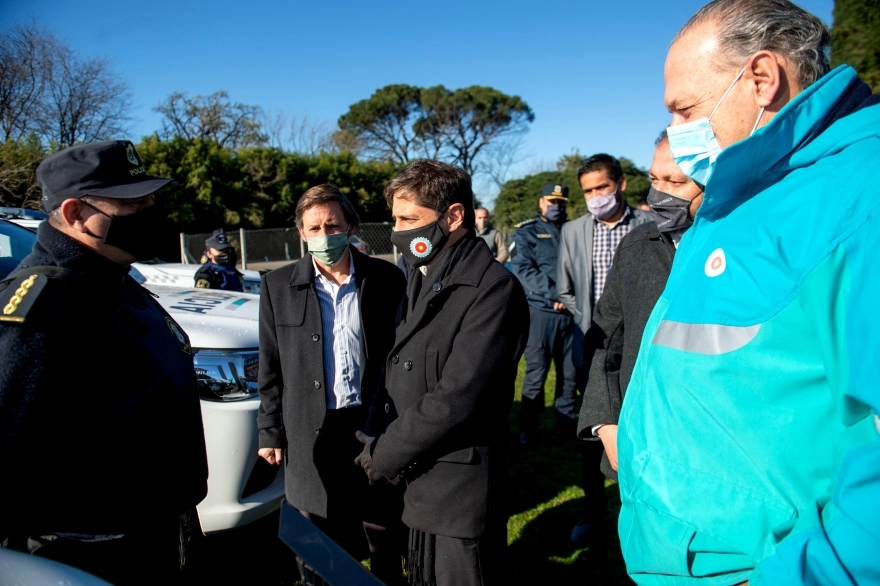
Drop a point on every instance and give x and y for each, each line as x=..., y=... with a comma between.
x=420, y=245
x=132, y=233
x=328, y=250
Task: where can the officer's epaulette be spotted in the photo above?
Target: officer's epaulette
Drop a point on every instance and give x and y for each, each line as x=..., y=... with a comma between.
x=525, y=223
x=19, y=296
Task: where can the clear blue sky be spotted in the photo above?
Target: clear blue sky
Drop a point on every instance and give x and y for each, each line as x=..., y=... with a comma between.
x=591, y=71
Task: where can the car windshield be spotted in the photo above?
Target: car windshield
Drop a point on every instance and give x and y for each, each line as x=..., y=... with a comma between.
x=15, y=244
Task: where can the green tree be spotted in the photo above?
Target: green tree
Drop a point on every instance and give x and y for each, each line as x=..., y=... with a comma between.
x=383, y=124
x=518, y=199
x=255, y=187
x=855, y=38
x=18, y=166
x=403, y=122
x=459, y=125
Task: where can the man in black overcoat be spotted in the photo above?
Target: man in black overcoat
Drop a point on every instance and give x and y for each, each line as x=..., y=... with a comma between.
x=636, y=280
x=441, y=424
x=326, y=326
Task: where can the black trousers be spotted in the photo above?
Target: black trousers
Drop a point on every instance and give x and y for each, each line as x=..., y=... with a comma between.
x=364, y=520
x=470, y=562
x=551, y=339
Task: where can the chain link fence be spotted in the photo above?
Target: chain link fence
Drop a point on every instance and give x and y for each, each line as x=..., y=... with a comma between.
x=273, y=247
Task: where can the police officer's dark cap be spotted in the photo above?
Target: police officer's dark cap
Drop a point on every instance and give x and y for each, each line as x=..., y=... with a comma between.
x=218, y=240
x=555, y=191
x=105, y=169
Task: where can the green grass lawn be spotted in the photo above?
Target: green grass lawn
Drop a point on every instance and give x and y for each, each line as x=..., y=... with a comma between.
x=545, y=505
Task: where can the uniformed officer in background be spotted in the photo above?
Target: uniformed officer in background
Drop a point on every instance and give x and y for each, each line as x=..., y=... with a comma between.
x=219, y=272
x=102, y=449
x=550, y=334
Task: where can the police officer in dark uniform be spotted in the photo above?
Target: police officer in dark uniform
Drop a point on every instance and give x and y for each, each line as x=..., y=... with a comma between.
x=102, y=450
x=219, y=272
x=551, y=330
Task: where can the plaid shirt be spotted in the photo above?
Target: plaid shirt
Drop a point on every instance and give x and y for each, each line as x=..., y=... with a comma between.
x=605, y=241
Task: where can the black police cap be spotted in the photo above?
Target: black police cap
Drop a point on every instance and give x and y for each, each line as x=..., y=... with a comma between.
x=556, y=191
x=218, y=240
x=106, y=169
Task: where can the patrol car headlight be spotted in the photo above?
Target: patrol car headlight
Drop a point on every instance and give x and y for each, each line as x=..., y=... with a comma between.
x=226, y=375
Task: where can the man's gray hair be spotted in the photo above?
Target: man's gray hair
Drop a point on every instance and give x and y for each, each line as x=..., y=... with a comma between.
x=748, y=26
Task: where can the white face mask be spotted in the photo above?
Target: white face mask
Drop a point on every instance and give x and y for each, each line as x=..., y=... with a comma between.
x=694, y=145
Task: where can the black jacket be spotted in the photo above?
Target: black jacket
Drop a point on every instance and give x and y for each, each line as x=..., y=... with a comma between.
x=637, y=278
x=100, y=422
x=448, y=391
x=291, y=378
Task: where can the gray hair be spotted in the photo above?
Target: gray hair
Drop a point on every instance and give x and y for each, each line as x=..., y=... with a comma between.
x=748, y=26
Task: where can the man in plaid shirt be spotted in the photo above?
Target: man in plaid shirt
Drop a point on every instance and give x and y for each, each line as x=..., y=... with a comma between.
x=586, y=250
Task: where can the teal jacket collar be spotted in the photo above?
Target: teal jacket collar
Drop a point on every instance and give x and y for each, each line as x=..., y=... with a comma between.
x=789, y=141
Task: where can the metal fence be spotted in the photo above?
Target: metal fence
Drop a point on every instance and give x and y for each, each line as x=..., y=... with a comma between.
x=273, y=247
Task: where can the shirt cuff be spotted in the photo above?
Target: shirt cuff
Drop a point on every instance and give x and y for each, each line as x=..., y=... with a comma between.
x=595, y=430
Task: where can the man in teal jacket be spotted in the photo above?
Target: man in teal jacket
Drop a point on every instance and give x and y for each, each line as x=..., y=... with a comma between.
x=749, y=443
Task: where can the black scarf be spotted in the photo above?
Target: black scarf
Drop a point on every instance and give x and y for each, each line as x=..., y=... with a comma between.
x=420, y=558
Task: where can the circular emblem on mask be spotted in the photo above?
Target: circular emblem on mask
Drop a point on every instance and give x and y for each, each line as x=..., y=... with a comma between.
x=132, y=158
x=421, y=247
x=716, y=263
x=178, y=334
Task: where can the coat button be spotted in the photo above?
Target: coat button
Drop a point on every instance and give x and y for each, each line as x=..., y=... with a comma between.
x=395, y=359
x=387, y=408
x=315, y=337
x=407, y=365
x=437, y=287
x=317, y=385
x=318, y=431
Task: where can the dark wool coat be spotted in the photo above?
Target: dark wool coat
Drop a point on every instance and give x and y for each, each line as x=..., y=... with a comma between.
x=291, y=379
x=637, y=278
x=448, y=393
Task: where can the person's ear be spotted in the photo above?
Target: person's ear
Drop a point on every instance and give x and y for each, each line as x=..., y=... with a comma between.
x=455, y=215
x=71, y=214
x=766, y=78
x=622, y=184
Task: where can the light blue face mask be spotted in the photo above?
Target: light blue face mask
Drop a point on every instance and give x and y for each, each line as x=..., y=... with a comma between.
x=694, y=145
x=328, y=250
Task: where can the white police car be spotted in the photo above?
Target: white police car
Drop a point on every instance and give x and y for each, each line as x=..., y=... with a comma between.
x=223, y=329
x=183, y=275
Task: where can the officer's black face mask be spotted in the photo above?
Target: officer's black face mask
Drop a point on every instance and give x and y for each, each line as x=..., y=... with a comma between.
x=132, y=233
x=227, y=258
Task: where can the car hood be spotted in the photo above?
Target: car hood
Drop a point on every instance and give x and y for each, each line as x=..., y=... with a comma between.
x=212, y=318
x=180, y=270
